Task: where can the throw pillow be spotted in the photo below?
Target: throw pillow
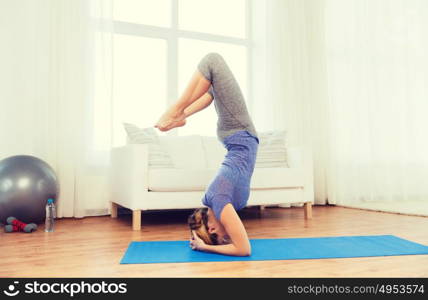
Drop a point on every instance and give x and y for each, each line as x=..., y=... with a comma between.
x=158, y=156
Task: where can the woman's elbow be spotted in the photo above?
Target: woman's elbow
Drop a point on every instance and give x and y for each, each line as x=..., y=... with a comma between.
x=246, y=251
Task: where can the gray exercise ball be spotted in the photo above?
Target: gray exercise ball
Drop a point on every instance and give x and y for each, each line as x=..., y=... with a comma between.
x=26, y=183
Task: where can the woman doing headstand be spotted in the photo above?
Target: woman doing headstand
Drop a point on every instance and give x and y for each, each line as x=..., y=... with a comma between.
x=217, y=227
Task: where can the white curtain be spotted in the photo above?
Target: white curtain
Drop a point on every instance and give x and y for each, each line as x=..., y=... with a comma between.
x=347, y=78
x=290, y=77
x=48, y=89
x=377, y=66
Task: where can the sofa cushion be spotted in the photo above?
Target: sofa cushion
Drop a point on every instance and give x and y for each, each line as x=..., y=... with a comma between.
x=167, y=180
x=186, y=151
x=267, y=178
x=214, y=152
x=272, y=150
x=158, y=156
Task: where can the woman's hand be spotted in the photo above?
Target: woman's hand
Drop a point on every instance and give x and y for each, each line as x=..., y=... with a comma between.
x=196, y=243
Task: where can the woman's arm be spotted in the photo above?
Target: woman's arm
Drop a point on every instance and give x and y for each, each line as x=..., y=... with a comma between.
x=240, y=245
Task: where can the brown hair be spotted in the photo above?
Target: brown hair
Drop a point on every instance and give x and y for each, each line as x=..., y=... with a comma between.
x=198, y=221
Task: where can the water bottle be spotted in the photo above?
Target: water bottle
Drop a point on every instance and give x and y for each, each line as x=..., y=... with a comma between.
x=50, y=216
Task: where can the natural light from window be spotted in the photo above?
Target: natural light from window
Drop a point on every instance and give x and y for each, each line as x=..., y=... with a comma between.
x=147, y=12
x=190, y=52
x=156, y=48
x=222, y=17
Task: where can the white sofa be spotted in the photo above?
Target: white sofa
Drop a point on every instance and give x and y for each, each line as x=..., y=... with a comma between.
x=139, y=187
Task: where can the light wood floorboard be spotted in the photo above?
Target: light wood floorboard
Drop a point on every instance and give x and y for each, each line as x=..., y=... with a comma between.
x=93, y=246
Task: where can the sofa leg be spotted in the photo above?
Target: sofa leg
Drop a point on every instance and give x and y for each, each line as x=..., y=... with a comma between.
x=136, y=219
x=113, y=210
x=262, y=207
x=308, y=210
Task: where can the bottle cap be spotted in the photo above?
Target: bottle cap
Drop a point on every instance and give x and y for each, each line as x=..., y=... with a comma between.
x=50, y=201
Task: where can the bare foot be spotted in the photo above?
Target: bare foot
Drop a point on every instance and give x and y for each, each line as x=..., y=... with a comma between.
x=170, y=119
x=173, y=125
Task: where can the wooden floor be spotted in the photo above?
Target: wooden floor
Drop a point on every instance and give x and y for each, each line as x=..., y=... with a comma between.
x=93, y=247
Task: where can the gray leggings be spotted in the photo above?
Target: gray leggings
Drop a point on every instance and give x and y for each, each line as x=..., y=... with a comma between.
x=228, y=99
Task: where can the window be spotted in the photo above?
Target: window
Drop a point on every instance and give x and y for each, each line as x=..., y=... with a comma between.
x=147, y=12
x=190, y=52
x=157, y=46
x=222, y=17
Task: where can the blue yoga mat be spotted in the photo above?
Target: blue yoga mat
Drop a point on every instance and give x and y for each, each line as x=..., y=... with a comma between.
x=277, y=249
